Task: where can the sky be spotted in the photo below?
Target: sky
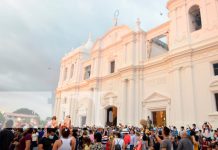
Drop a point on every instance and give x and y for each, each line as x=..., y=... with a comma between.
x=36, y=34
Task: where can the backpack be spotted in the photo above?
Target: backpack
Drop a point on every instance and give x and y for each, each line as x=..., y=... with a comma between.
x=117, y=146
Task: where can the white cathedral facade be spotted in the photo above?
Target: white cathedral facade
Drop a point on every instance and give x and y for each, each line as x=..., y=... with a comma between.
x=169, y=73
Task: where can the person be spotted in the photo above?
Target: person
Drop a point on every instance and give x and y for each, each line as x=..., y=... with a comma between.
x=205, y=144
x=66, y=142
x=67, y=122
x=194, y=127
x=138, y=145
x=41, y=132
x=126, y=138
x=149, y=122
x=133, y=139
x=97, y=144
x=175, y=142
x=151, y=138
x=6, y=136
x=54, y=122
x=195, y=138
x=91, y=136
x=185, y=143
x=34, y=139
x=46, y=141
x=145, y=140
x=110, y=141
x=181, y=130
x=206, y=130
x=25, y=141
x=76, y=136
x=174, y=132
x=165, y=144
x=118, y=143
x=86, y=143
x=105, y=139
x=81, y=138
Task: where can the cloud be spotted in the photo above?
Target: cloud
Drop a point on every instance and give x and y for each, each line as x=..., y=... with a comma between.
x=35, y=34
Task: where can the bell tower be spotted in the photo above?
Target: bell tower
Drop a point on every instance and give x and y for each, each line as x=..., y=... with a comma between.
x=192, y=22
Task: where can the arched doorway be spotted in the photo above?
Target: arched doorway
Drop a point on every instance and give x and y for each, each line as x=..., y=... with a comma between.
x=111, y=118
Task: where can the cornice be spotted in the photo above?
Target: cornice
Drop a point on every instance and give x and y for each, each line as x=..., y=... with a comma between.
x=159, y=30
x=174, y=4
x=155, y=62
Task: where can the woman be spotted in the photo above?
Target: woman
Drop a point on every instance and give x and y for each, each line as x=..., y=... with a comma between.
x=97, y=144
x=86, y=143
x=118, y=142
x=25, y=141
x=34, y=139
x=139, y=142
x=194, y=138
x=110, y=141
x=66, y=142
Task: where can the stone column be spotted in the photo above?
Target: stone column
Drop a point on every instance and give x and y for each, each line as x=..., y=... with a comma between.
x=189, y=92
x=55, y=107
x=58, y=109
x=93, y=106
x=131, y=102
x=89, y=113
x=73, y=112
x=123, y=107
x=70, y=107
x=141, y=96
x=97, y=107
x=137, y=100
x=177, y=107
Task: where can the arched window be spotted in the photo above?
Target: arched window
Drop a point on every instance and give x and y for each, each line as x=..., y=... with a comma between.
x=195, y=18
x=72, y=70
x=65, y=73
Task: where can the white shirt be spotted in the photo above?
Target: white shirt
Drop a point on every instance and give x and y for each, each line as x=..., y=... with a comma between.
x=119, y=141
x=66, y=144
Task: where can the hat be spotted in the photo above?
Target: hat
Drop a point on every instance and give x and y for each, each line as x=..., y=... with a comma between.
x=125, y=131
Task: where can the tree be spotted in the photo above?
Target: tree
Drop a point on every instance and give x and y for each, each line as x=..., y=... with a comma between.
x=25, y=111
x=2, y=118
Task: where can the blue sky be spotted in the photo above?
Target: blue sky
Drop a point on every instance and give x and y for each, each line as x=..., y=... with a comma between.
x=35, y=35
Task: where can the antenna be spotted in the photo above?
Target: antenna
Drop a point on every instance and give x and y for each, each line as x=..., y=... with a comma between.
x=116, y=14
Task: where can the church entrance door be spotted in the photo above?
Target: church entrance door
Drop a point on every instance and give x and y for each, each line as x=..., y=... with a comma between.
x=111, y=118
x=159, y=118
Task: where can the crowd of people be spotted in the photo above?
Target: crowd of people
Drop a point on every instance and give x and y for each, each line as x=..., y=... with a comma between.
x=147, y=137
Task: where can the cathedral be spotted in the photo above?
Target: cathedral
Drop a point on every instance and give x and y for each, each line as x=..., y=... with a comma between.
x=169, y=73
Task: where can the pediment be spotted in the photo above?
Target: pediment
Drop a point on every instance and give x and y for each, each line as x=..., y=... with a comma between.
x=112, y=36
x=156, y=97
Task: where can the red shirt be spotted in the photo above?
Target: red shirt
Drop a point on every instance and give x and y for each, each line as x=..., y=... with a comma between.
x=204, y=145
x=127, y=139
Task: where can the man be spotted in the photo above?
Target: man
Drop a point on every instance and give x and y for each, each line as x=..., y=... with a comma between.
x=46, y=143
x=133, y=139
x=126, y=138
x=6, y=136
x=174, y=132
x=181, y=130
x=185, y=143
x=152, y=138
x=165, y=144
x=149, y=123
